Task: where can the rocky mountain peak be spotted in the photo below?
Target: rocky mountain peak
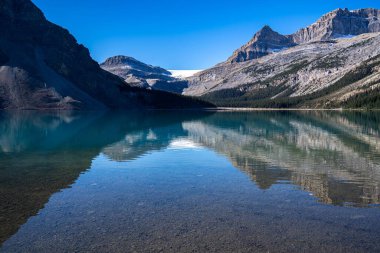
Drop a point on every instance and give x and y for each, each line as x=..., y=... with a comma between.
x=333, y=25
x=127, y=62
x=119, y=60
x=265, y=31
x=338, y=23
x=264, y=42
x=42, y=67
x=139, y=74
x=20, y=10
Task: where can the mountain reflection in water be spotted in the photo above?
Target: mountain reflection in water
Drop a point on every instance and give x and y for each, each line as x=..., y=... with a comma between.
x=328, y=154
x=333, y=155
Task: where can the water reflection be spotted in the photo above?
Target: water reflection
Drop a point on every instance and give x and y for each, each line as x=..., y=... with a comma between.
x=329, y=154
x=326, y=153
x=42, y=153
x=333, y=155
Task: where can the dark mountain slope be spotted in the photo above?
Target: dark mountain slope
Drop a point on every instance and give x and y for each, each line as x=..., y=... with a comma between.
x=43, y=67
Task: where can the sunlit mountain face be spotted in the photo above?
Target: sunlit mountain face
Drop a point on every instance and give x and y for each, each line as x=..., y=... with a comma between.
x=143, y=181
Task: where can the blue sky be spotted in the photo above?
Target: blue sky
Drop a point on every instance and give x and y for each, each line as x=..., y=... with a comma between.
x=181, y=34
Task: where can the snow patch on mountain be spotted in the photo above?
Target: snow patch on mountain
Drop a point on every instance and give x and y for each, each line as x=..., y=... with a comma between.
x=183, y=73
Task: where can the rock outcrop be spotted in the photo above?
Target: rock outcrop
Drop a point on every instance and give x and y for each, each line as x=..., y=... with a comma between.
x=43, y=67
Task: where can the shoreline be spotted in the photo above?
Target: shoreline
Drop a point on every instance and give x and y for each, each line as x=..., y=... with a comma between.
x=231, y=109
x=210, y=109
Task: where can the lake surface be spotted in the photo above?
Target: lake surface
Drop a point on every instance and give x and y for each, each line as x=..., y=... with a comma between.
x=190, y=182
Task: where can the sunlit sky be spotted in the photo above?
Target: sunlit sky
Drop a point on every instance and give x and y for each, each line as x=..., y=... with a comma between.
x=181, y=34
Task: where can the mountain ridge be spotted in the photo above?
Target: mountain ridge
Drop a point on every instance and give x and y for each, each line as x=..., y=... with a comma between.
x=143, y=75
x=122, y=60
x=323, y=74
x=337, y=23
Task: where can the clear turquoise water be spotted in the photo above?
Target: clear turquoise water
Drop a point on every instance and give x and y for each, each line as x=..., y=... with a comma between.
x=190, y=182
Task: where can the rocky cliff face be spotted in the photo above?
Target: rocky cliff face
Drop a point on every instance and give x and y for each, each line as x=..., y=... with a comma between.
x=43, y=67
x=319, y=74
x=332, y=63
x=263, y=43
x=336, y=24
x=142, y=75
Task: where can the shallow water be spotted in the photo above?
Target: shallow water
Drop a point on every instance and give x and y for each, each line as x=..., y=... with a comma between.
x=190, y=182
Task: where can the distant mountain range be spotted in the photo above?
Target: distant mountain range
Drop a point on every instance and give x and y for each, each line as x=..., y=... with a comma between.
x=43, y=67
x=336, y=24
x=333, y=63
x=139, y=74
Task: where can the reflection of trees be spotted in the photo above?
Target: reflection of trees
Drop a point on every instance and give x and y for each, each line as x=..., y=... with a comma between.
x=318, y=151
x=41, y=154
x=35, y=162
x=331, y=154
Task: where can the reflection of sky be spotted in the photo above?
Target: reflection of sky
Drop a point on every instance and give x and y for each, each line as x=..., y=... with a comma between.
x=184, y=144
x=199, y=181
x=184, y=196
